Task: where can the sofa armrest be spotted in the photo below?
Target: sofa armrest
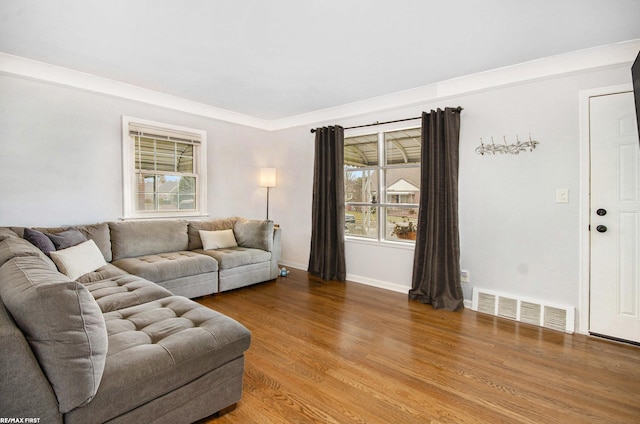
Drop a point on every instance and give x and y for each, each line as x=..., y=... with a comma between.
x=276, y=252
x=255, y=234
x=26, y=392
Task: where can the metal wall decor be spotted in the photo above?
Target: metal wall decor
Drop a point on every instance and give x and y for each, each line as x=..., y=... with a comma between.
x=514, y=148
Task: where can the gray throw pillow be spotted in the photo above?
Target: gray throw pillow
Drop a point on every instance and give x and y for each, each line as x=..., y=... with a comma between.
x=67, y=238
x=39, y=240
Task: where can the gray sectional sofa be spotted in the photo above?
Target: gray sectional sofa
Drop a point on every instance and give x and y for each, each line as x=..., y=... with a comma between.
x=122, y=342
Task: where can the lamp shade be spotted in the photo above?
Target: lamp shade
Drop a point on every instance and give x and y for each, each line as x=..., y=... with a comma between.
x=267, y=177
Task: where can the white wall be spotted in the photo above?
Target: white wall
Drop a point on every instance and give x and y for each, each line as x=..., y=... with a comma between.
x=60, y=156
x=515, y=238
x=60, y=163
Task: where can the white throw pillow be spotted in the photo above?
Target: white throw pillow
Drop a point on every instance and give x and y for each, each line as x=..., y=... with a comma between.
x=217, y=239
x=78, y=260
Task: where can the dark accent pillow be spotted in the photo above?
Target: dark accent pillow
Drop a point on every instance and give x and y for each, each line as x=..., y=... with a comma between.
x=39, y=240
x=66, y=238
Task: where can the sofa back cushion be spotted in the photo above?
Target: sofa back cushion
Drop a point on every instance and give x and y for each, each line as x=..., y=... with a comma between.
x=62, y=323
x=130, y=239
x=99, y=233
x=15, y=246
x=195, y=242
x=6, y=233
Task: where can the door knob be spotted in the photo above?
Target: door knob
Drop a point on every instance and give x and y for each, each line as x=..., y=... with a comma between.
x=601, y=228
x=601, y=212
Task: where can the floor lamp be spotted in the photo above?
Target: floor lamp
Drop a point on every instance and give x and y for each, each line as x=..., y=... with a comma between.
x=268, y=180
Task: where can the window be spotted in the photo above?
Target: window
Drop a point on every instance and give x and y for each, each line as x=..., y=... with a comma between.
x=164, y=170
x=382, y=185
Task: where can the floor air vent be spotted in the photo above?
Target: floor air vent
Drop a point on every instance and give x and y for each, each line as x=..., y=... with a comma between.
x=543, y=314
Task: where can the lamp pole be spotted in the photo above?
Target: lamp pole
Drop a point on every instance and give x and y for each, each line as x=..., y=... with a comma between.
x=268, y=180
x=268, y=202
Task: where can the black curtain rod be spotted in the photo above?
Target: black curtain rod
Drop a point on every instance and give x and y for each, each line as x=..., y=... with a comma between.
x=459, y=109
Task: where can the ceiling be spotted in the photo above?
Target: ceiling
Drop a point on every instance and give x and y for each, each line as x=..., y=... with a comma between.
x=281, y=58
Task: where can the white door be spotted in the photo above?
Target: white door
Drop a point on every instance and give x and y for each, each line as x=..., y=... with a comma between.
x=615, y=217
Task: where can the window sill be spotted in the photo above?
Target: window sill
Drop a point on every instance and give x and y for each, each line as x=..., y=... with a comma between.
x=383, y=243
x=168, y=216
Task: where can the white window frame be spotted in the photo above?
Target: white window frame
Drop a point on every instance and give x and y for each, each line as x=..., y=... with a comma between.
x=381, y=189
x=129, y=170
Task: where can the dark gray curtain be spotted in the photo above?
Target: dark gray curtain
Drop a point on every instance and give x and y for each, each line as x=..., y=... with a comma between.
x=436, y=264
x=326, y=259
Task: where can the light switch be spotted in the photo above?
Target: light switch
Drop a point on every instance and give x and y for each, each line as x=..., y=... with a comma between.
x=464, y=276
x=562, y=195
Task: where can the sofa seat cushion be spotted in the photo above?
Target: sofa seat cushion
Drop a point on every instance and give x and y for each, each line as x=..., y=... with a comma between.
x=168, y=266
x=157, y=347
x=102, y=273
x=123, y=291
x=233, y=257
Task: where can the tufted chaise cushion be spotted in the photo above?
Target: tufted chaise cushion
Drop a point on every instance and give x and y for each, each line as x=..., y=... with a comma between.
x=157, y=347
x=123, y=290
x=167, y=266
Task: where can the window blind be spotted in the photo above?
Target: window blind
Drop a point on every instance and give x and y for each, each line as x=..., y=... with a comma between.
x=141, y=130
x=163, y=150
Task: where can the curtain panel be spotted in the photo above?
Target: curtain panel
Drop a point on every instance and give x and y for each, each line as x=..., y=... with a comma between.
x=436, y=265
x=327, y=258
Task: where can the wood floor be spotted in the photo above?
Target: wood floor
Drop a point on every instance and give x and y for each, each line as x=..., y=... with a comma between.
x=327, y=352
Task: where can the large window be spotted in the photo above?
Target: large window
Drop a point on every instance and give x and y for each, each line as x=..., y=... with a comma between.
x=382, y=185
x=164, y=170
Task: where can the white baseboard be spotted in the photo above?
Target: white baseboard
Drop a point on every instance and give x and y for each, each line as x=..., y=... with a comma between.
x=395, y=287
x=356, y=278
x=294, y=265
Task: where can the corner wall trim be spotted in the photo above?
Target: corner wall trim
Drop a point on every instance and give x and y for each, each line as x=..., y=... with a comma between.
x=595, y=58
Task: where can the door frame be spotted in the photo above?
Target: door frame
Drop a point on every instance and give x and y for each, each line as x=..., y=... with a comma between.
x=585, y=200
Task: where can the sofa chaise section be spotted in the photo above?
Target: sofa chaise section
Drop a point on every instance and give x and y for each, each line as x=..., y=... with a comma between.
x=124, y=349
x=159, y=351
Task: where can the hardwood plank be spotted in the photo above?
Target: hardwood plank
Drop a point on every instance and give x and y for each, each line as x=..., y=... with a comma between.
x=328, y=352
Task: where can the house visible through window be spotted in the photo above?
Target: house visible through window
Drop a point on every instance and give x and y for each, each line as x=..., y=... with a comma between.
x=165, y=169
x=382, y=185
